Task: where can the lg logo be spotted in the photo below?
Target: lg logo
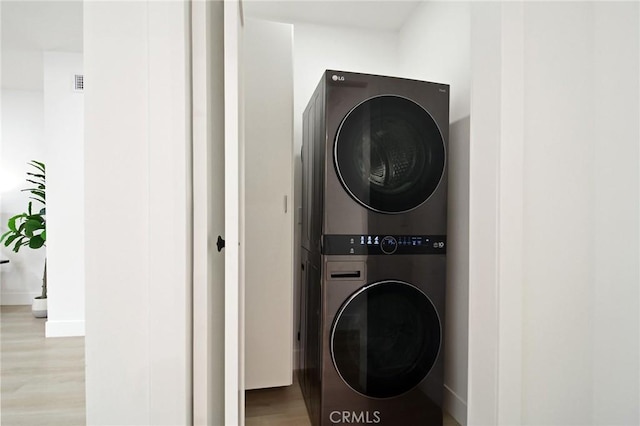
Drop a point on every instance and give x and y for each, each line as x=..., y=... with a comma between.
x=357, y=417
x=337, y=77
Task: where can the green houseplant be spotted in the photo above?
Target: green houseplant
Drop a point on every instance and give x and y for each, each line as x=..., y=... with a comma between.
x=30, y=228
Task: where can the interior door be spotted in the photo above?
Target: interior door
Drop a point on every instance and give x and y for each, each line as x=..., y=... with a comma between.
x=209, y=211
x=218, y=393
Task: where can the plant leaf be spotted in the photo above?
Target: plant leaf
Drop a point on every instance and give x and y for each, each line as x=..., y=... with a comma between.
x=44, y=235
x=18, y=244
x=37, y=164
x=36, y=242
x=37, y=193
x=43, y=211
x=13, y=221
x=37, y=217
x=39, y=200
x=39, y=186
x=12, y=224
x=31, y=226
x=10, y=239
x=5, y=235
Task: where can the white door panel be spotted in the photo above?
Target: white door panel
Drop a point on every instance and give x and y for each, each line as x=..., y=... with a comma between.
x=234, y=216
x=268, y=83
x=208, y=206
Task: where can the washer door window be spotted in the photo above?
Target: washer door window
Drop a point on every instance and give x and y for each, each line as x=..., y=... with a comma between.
x=385, y=339
x=389, y=154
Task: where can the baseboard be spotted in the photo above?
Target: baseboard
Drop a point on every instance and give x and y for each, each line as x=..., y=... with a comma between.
x=455, y=406
x=64, y=328
x=12, y=299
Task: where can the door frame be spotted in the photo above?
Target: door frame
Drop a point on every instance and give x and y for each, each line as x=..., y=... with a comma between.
x=207, y=88
x=218, y=302
x=234, y=216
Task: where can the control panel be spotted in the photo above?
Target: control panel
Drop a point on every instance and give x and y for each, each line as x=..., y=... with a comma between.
x=383, y=244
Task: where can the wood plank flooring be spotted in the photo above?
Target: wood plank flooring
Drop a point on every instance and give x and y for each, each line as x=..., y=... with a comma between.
x=276, y=407
x=42, y=380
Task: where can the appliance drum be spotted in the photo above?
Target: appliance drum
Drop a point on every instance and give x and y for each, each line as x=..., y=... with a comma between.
x=385, y=339
x=389, y=154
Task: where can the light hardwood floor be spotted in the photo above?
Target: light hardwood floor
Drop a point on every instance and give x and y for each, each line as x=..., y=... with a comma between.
x=42, y=380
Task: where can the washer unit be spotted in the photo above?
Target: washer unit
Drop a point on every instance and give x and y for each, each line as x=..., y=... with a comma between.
x=374, y=241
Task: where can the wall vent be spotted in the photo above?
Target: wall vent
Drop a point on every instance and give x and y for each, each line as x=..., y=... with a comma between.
x=78, y=82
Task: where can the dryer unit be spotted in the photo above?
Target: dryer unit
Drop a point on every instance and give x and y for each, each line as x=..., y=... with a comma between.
x=375, y=157
x=374, y=250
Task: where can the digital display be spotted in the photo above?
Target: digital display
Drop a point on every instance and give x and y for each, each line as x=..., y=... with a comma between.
x=402, y=240
x=384, y=244
x=369, y=240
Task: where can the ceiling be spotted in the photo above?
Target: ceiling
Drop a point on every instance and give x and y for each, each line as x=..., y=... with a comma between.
x=29, y=28
x=387, y=15
x=42, y=25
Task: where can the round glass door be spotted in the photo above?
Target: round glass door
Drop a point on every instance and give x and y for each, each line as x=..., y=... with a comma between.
x=389, y=154
x=385, y=339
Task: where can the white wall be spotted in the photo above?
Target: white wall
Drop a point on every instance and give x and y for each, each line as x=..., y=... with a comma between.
x=616, y=205
x=581, y=192
x=137, y=235
x=554, y=327
x=22, y=141
x=558, y=214
x=64, y=135
x=22, y=68
x=317, y=48
x=434, y=45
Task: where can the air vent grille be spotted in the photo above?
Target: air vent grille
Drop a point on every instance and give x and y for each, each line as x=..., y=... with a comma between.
x=78, y=82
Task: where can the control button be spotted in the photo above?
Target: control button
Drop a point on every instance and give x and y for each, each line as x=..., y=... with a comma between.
x=389, y=245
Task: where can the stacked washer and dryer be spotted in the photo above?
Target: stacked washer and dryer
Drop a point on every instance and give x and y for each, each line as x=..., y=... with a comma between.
x=374, y=221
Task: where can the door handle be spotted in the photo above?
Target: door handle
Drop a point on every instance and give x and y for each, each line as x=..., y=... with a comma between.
x=220, y=243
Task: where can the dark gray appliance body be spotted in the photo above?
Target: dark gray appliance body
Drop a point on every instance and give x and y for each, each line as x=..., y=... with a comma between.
x=373, y=267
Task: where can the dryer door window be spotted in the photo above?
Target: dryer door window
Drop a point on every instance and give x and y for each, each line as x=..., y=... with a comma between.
x=385, y=339
x=389, y=154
